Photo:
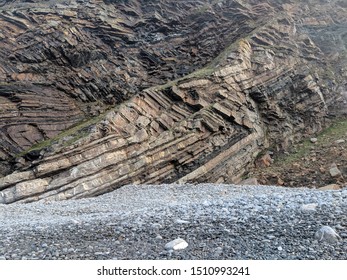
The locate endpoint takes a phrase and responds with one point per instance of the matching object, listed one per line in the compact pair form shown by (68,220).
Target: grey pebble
(327,234)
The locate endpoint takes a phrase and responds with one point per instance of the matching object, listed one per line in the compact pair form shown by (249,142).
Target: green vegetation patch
(337,130)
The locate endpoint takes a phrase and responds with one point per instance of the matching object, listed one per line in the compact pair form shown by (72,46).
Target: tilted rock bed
(217,222)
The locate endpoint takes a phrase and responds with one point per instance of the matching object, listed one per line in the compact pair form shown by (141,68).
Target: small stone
(327,234)
(339,227)
(249,182)
(75,221)
(177,244)
(219,249)
(206,203)
(143,121)
(280,182)
(218,252)
(156,226)
(331,187)
(340,141)
(270,237)
(264,161)
(309,207)
(280,248)
(179,221)
(334,171)
(313,140)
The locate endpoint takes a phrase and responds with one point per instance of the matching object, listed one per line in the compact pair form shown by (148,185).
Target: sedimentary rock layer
(167,91)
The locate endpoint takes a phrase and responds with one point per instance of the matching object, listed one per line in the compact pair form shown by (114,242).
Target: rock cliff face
(98,94)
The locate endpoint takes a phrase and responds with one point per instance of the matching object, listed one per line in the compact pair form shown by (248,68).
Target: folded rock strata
(98,94)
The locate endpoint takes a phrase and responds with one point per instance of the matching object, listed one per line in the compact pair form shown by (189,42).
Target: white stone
(341,141)
(76,221)
(327,234)
(177,244)
(314,140)
(206,203)
(179,221)
(309,207)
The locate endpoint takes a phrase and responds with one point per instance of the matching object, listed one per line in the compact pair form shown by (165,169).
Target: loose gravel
(217,222)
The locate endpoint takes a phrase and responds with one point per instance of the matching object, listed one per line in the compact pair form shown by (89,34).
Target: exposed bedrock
(96,53)
(98,94)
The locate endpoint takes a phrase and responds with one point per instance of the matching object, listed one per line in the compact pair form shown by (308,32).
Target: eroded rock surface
(167,91)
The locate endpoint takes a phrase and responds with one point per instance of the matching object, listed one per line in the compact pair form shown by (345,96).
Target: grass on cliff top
(337,130)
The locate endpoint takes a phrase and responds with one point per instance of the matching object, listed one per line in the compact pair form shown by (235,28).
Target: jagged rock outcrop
(118,92)
(91,54)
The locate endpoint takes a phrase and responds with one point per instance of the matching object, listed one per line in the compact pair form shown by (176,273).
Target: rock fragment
(179,221)
(309,207)
(250,182)
(177,244)
(280,182)
(327,234)
(264,161)
(322,170)
(331,187)
(334,171)
(314,140)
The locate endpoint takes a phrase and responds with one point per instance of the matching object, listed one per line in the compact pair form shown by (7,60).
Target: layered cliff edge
(95,95)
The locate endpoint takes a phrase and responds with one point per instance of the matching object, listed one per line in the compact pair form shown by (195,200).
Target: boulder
(327,234)
(177,244)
